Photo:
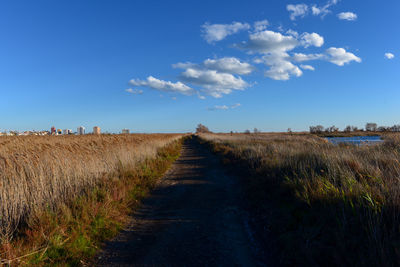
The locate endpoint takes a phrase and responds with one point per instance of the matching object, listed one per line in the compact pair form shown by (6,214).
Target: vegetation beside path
(319,204)
(71,233)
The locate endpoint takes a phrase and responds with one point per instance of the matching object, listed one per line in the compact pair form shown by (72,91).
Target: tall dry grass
(330,205)
(42,172)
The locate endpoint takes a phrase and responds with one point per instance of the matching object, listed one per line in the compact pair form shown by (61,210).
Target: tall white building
(96,130)
(81,130)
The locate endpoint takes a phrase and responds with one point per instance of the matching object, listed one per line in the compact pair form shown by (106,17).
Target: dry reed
(40,173)
(335,204)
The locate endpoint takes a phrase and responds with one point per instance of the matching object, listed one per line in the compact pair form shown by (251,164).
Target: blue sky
(165,66)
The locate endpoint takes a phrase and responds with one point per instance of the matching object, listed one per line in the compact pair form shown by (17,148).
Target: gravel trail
(193,218)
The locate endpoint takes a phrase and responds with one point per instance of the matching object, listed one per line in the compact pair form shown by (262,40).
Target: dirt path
(193,218)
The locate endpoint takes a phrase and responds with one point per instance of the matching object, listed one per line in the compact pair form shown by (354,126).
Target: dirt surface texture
(194,217)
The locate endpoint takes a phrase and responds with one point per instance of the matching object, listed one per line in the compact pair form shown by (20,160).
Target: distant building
(125,131)
(53,130)
(67,131)
(81,130)
(96,130)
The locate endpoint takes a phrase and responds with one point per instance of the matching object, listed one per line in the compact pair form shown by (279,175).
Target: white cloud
(280,66)
(292,33)
(228,65)
(236,105)
(221,76)
(276,53)
(307,67)
(134,91)
(184,65)
(347,16)
(224,107)
(311,39)
(315,10)
(216,76)
(299,10)
(275,47)
(164,86)
(213,82)
(389,55)
(217,32)
(300,57)
(323,10)
(340,56)
(269,42)
(260,25)
(272,42)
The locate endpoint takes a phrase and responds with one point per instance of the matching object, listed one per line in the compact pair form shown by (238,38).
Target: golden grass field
(326,205)
(41,173)
(317,204)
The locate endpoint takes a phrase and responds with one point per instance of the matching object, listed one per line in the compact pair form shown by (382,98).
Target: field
(48,183)
(318,204)
(311,203)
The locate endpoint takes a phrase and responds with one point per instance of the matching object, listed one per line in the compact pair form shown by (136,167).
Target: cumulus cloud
(164,86)
(300,57)
(134,91)
(280,66)
(216,77)
(229,65)
(340,56)
(322,11)
(299,10)
(389,55)
(307,67)
(213,82)
(224,107)
(347,16)
(311,39)
(216,32)
(276,50)
(269,42)
(292,33)
(260,25)
(274,46)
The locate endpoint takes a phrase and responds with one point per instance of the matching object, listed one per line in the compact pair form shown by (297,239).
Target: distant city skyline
(167,66)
